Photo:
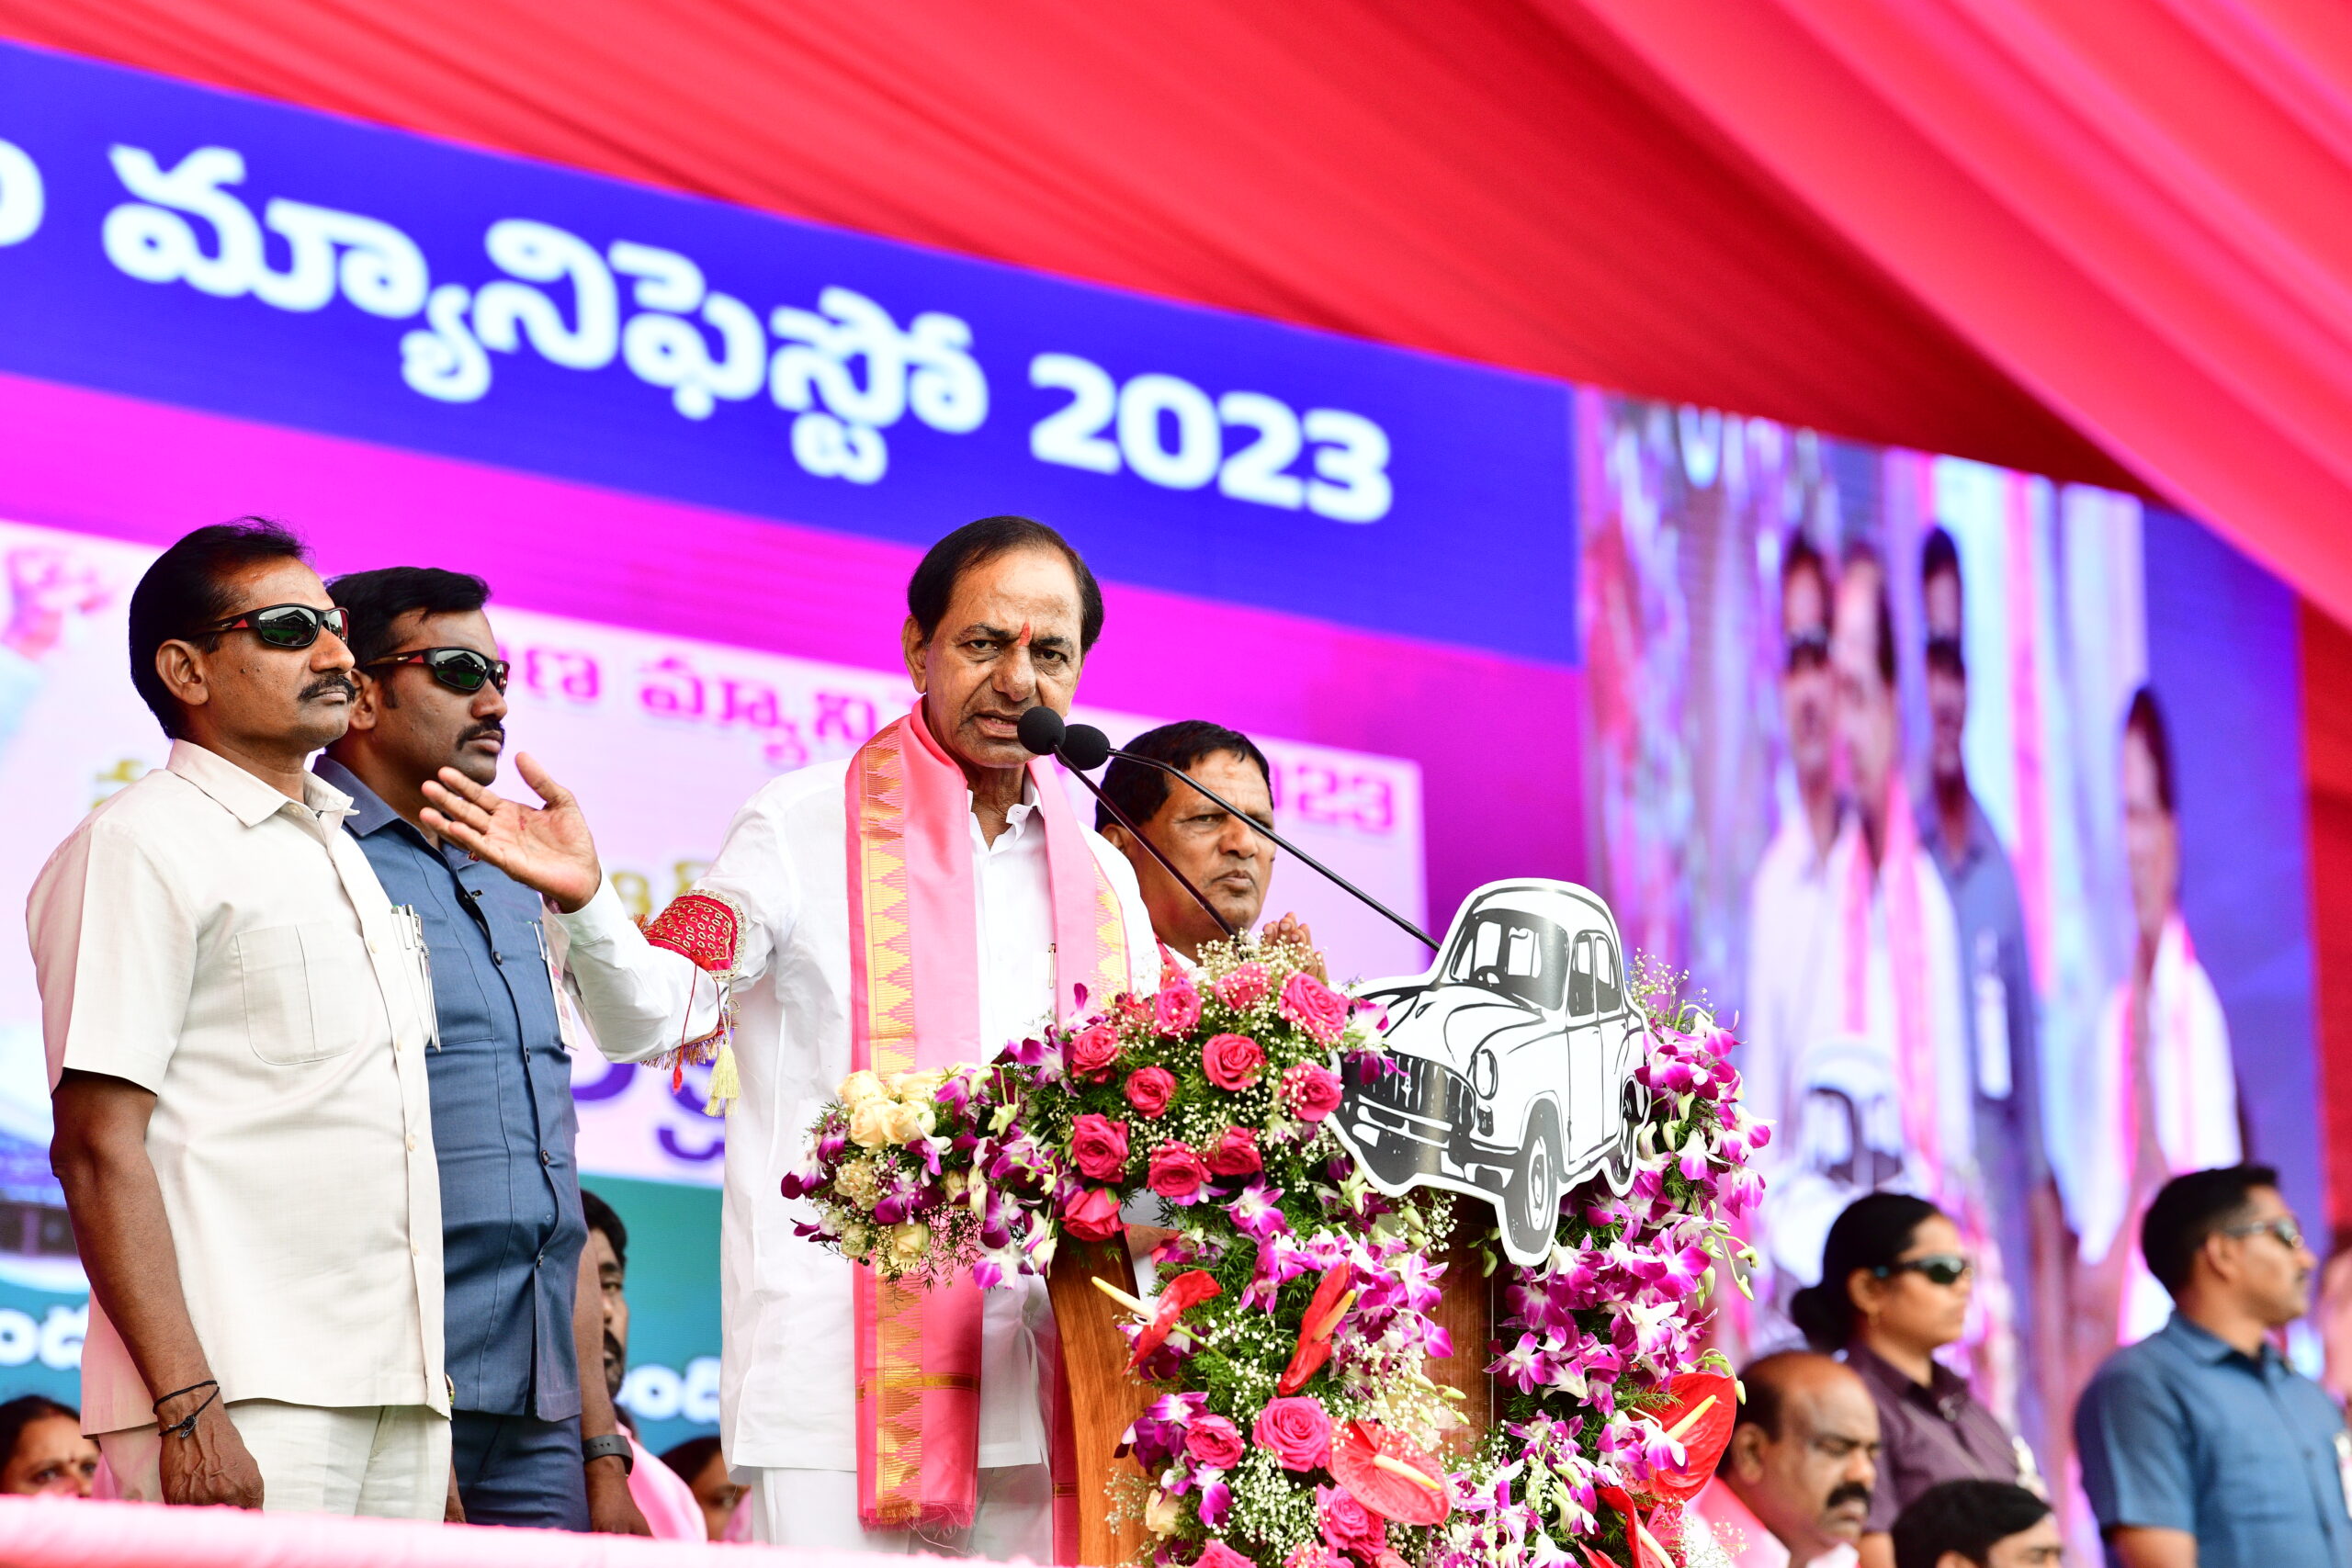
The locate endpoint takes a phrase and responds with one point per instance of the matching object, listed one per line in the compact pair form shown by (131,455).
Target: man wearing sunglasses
(431,696)
(236,1018)
(1997,1008)
(2201,1448)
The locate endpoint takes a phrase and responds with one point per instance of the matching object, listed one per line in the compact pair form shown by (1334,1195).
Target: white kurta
(1824,1020)
(1788,914)
(787,1364)
(2194,1084)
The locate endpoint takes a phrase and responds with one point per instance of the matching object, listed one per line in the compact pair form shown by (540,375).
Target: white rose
(870,1122)
(860,1086)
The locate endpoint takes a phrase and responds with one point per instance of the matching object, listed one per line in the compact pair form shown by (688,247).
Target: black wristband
(186,1427)
(158,1407)
(611,1445)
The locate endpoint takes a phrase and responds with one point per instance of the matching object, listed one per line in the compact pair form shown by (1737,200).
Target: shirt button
(545,1158)
(413,1252)
(375,946)
(411,1143)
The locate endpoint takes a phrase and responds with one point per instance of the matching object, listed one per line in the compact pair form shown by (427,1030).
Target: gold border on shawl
(898,1425)
(887,936)
(898,1381)
(1110,942)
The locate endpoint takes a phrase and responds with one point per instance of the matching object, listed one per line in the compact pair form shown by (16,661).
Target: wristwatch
(611,1445)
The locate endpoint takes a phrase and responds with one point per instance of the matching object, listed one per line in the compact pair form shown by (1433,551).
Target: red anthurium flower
(1177,1297)
(1698,1414)
(1323,1315)
(1649,1551)
(1389,1475)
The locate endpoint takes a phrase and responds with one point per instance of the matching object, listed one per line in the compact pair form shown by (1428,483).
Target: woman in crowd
(1893,1290)
(702,1466)
(42,1450)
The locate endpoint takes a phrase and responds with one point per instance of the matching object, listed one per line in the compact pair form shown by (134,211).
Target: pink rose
(1295,1430)
(1216,1554)
(1313,1007)
(1150,1088)
(1348,1525)
(1313,1091)
(1232,1061)
(1235,1153)
(1215,1441)
(1094,1215)
(1177,1173)
(1245,987)
(1177,1008)
(1092,1050)
(1100,1146)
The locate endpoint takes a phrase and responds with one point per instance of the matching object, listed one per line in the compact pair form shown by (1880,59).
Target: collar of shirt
(1978,839)
(368,812)
(1943,1394)
(2203,1345)
(1017,821)
(246,798)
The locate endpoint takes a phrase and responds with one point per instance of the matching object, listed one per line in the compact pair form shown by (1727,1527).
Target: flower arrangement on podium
(1289,1336)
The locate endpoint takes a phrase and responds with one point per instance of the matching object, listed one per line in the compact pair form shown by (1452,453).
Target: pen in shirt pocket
(411,926)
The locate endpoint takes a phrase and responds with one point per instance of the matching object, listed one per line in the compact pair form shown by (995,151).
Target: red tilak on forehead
(1022,641)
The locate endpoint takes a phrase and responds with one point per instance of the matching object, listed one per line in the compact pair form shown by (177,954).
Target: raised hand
(546,847)
(1292,929)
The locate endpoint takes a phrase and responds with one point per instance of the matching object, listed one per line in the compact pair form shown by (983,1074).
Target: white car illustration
(1518,1047)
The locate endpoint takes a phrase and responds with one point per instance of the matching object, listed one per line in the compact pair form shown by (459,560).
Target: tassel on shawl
(706,930)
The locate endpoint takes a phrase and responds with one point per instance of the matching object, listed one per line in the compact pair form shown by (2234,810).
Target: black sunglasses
(1937,1268)
(286,625)
(459,669)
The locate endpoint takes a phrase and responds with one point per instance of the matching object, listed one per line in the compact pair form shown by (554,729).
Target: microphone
(1083,747)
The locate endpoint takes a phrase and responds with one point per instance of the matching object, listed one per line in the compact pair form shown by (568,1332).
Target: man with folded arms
(1218,852)
(236,1018)
(943,871)
(433,695)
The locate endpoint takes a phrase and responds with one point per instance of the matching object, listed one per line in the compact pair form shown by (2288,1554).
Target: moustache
(613,1350)
(1852,1491)
(490,729)
(325,683)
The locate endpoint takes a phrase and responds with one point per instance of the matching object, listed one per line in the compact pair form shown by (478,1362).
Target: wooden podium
(1104,1399)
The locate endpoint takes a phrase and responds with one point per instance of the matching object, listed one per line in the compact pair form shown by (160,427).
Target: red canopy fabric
(2142,210)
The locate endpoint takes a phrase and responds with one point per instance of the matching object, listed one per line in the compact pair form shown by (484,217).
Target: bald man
(1795,1486)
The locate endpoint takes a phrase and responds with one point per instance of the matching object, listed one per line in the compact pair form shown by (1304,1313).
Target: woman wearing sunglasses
(1895,1288)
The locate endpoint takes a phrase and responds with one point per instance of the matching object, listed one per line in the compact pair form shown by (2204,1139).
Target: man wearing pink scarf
(917,906)
(2157,1094)
(1882,1018)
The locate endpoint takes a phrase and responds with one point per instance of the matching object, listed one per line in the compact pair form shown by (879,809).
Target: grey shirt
(1998,995)
(2182,1432)
(503,1124)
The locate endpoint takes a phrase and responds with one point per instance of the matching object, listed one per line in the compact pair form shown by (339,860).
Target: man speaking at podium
(920,905)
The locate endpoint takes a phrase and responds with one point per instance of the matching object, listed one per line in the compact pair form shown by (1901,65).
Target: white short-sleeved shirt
(786,1367)
(228,949)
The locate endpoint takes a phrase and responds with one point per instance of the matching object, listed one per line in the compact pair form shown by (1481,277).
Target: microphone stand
(1128,823)
(1264,831)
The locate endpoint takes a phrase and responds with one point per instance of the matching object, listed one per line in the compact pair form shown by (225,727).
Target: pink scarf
(915,1003)
(1915,1058)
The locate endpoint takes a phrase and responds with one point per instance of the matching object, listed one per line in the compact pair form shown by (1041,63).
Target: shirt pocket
(306,1000)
